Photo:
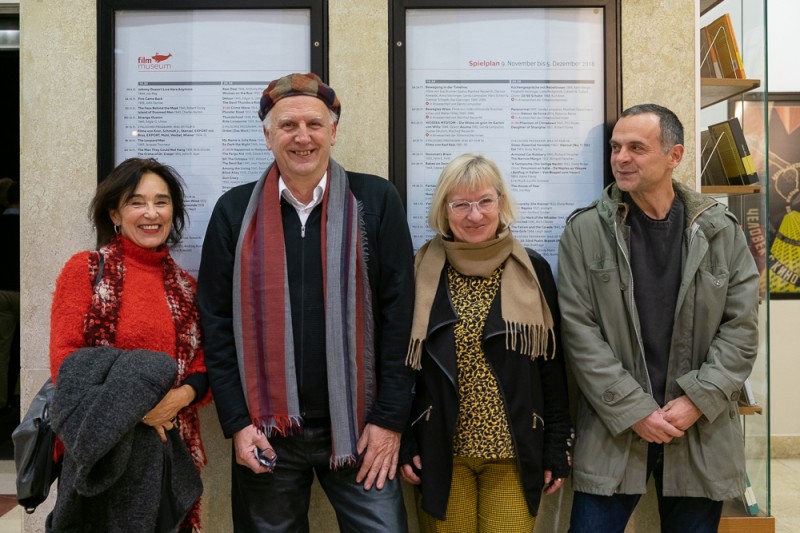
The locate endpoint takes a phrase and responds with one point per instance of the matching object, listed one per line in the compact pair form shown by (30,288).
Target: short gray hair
(671,127)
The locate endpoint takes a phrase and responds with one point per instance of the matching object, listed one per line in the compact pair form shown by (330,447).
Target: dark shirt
(304,273)
(656,247)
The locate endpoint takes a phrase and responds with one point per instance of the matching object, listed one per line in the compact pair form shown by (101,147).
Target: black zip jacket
(534,394)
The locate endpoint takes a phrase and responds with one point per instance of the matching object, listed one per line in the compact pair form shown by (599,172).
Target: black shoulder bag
(34,443)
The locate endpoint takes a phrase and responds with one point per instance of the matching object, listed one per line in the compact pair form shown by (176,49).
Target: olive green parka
(714,345)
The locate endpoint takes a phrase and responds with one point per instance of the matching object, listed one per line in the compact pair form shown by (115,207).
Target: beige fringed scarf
(524,308)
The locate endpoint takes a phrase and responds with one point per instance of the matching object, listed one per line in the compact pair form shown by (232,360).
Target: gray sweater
(112,473)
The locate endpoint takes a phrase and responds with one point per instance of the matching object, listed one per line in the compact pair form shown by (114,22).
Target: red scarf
(100,327)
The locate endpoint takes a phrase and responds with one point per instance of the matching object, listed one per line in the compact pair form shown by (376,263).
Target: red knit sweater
(145,321)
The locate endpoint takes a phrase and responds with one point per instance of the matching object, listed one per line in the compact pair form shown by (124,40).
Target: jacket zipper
(301,380)
(426,414)
(536,416)
(442,324)
(505,402)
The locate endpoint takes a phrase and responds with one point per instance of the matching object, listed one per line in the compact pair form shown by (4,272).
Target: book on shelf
(749,497)
(712,172)
(730,146)
(747,397)
(709,65)
(721,39)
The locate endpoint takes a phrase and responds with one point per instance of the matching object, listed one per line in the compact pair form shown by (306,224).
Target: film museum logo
(157,61)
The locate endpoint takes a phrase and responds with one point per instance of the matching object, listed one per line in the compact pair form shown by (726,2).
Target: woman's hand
(162,416)
(407,472)
(551,485)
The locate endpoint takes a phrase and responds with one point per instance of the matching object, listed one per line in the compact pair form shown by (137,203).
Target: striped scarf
(262,315)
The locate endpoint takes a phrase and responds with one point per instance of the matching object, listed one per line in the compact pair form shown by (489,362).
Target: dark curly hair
(120,184)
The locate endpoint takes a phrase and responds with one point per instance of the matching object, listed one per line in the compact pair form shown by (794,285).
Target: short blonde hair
(472,172)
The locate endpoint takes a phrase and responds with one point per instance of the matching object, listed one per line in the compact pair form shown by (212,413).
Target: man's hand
(379,447)
(407,472)
(681,413)
(653,428)
(245,441)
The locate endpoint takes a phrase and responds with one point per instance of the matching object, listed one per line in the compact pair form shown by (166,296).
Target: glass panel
(748,20)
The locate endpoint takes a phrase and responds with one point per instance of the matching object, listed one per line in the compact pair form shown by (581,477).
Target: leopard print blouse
(482,429)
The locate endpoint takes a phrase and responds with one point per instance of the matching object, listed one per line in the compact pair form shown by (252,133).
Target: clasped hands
(668,422)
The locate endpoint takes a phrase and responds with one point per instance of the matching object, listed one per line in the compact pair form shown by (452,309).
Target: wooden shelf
(706,5)
(751,410)
(736,520)
(715,90)
(730,190)
(747,524)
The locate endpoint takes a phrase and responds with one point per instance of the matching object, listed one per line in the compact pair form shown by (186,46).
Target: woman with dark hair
(490,426)
(131,296)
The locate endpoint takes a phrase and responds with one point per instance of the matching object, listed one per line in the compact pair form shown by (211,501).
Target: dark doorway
(9,96)
(9,231)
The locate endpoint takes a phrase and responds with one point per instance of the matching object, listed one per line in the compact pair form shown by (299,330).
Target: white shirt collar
(319,190)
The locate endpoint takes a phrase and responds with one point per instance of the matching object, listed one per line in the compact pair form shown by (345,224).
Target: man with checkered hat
(306,297)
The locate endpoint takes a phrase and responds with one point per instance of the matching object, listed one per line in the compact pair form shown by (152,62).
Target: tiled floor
(10,522)
(785,496)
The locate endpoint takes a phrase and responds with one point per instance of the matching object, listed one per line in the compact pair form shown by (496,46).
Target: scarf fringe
(285,426)
(342,461)
(414,355)
(533,339)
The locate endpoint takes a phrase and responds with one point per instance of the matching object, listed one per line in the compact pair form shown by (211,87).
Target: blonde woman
(490,425)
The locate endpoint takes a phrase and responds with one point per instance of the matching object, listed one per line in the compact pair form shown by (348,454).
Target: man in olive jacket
(658,294)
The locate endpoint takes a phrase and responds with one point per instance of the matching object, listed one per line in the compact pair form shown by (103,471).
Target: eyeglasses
(484,205)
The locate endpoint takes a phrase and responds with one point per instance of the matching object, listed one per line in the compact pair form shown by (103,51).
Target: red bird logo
(158,58)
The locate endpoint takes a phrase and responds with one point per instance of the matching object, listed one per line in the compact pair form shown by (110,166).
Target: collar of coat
(611,208)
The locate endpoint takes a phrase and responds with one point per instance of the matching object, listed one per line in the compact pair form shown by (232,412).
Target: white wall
(782,18)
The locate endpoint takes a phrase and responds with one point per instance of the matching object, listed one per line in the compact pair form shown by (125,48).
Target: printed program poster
(187,90)
(524,87)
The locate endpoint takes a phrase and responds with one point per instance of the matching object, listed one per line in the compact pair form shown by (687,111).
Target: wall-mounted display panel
(779,149)
(532,88)
(183,86)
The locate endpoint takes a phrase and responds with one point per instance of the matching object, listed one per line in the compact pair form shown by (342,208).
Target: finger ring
(144,417)
(173,419)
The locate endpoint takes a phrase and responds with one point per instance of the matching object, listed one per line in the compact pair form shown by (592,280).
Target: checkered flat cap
(298,85)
